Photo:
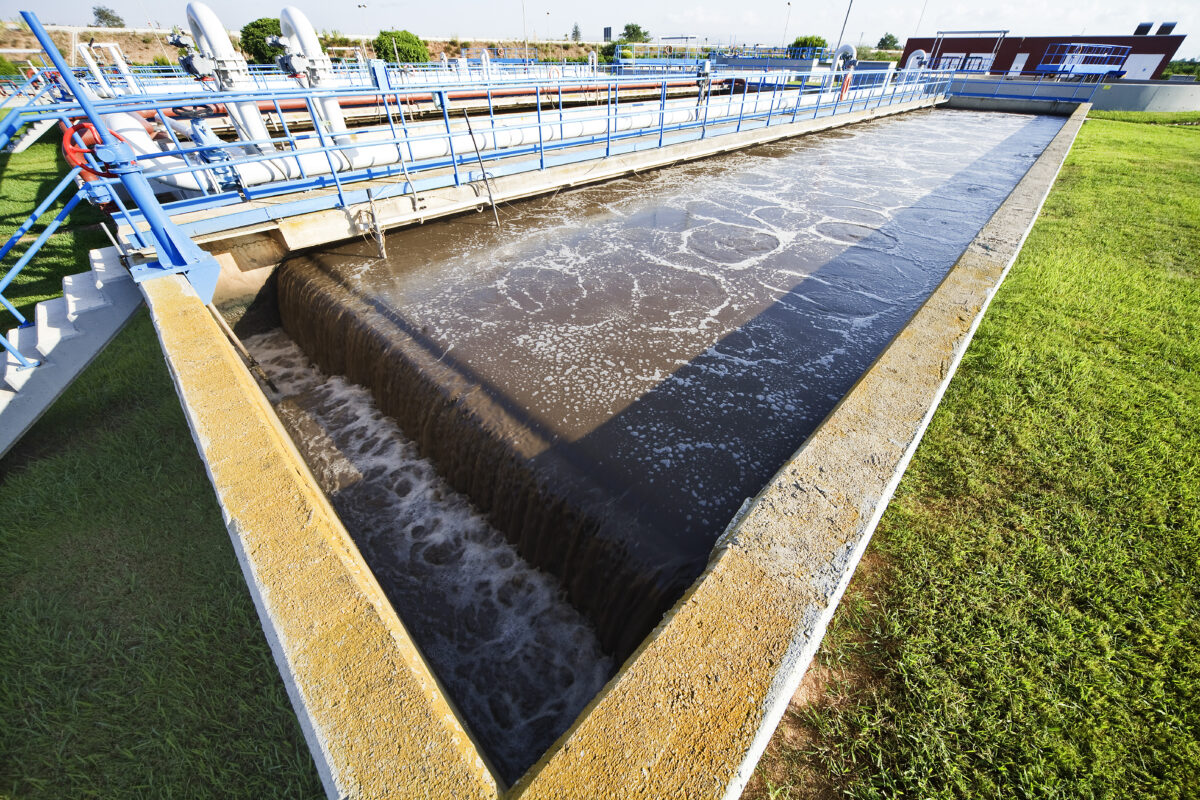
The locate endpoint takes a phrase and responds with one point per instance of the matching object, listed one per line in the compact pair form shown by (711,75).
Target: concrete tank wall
(1147,96)
(1119,96)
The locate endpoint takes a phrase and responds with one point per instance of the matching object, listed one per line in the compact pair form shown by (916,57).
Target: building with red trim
(1145,59)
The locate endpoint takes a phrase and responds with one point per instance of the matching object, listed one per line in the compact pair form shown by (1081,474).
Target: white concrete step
(65,348)
(53,325)
(107,266)
(31,134)
(13,375)
(82,294)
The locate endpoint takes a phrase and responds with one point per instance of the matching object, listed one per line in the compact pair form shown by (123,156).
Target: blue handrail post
(176,252)
(541,143)
(443,100)
(662,112)
(608,123)
(37,213)
(21,359)
(742,112)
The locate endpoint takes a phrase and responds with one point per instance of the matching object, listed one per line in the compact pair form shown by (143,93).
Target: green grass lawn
(131,659)
(1028,624)
(25,180)
(1150,117)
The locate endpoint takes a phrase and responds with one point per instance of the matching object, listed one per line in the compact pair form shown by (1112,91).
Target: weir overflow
(613,372)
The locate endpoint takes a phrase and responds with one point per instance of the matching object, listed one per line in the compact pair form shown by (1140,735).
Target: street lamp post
(524,31)
(786,21)
(849,6)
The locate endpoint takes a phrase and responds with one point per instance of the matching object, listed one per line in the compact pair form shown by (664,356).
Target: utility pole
(917,29)
(524,31)
(849,6)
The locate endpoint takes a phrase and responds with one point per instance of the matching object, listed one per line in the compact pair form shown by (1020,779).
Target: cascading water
(609,376)
(519,661)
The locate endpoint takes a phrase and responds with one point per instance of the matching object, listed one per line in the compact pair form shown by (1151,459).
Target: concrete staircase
(69,331)
(26,136)
(31,134)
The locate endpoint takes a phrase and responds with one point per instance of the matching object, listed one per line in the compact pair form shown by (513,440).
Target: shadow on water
(682,458)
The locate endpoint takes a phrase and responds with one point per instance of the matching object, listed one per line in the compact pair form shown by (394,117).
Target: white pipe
(118,60)
(846,50)
(916,59)
(85,52)
(132,128)
(232,73)
(515,131)
(298,32)
(207,31)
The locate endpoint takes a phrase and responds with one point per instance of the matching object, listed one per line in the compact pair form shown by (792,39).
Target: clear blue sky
(750,21)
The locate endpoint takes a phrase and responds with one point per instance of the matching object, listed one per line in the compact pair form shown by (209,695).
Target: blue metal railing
(1047,88)
(428,153)
(663,52)
(11,274)
(1071,58)
(218,170)
(569,117)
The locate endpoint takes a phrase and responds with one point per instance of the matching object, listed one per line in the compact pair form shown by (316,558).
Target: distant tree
(635,33)
(810,41)
(576,35)
(888,42)
(105,17)
(254,40)
(1182,67)
(401,45)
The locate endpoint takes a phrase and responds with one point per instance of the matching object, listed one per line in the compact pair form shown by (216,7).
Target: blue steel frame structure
(720,103)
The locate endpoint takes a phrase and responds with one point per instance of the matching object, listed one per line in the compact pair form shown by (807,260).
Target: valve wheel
(199,111)
(75,155)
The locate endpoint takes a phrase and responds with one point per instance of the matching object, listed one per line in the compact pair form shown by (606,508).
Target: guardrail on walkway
(147,157)
(1000,87)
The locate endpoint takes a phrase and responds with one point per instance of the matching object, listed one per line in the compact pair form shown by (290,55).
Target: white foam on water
(678,258)
(516,658)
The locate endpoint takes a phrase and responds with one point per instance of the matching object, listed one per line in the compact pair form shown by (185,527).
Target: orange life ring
(845,87)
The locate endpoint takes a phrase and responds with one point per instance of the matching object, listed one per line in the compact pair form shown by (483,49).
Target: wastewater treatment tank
(535,433)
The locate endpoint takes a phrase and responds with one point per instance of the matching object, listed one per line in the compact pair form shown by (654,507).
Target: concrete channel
(689,713)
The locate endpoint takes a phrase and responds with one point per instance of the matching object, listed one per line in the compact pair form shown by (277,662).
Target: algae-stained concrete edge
(375,718)
(691,712)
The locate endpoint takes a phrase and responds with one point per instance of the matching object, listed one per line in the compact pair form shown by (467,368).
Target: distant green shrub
(404,46)
(254,40)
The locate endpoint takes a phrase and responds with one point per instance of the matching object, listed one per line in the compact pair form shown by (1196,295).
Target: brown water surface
(610,375)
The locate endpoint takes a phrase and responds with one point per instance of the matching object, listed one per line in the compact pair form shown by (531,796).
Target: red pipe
(218,109)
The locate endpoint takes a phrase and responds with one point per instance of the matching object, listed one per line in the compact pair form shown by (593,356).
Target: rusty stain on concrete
(690,712)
